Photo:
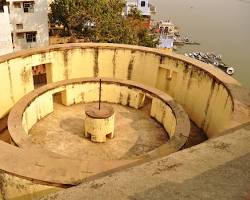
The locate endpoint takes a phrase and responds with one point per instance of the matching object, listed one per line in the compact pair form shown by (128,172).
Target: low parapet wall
(39,103)
(206,93)
(33,163)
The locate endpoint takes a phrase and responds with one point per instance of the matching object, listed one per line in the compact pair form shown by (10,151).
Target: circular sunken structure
(215,102)
(38,104)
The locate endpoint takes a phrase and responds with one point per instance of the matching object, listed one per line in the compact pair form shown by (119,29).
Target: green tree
(100,21)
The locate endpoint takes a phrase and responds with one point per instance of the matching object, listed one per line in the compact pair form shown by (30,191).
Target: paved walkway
(216,169)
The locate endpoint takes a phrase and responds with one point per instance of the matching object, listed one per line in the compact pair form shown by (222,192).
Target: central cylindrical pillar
(99,123)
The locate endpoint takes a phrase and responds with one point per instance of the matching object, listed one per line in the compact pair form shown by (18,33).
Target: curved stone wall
(200,88)
(39,103)
(34,163)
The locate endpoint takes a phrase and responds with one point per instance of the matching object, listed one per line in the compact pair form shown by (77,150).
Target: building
(29,23)
(166,42)
(143,6)
(167,27)
(146,9)
(5,33)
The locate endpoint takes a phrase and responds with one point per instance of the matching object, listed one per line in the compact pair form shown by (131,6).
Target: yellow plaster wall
(98,129)
(6,97)
(199,93)
(39,108)
(89,92)
(20,77)
(206,100)
(38,59)
(112,93)
(164,115)
(80,63)
(145,67)
(106,63)
(122,60)
(78,93)
(59,60)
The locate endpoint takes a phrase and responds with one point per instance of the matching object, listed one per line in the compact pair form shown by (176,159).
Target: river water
(221,26)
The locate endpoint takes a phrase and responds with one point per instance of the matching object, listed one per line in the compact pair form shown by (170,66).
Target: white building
(29,23)
(143,6)
(166,42)
(5,31)
(167,27)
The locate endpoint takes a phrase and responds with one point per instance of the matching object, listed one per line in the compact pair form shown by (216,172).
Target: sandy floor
(136,134)
(62,132)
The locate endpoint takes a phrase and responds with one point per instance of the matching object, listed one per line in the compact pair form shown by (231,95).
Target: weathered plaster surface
(200,88)
(216,169)
(48,167)
(214,101)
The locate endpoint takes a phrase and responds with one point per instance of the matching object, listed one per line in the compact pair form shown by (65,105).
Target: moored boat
(211,58)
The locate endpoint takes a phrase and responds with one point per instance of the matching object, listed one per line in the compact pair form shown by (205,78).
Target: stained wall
(202,92)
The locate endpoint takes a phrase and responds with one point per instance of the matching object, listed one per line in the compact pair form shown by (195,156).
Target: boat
(213,59)
(230,70)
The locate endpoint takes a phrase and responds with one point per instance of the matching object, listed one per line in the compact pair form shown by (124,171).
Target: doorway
(57,98)
(41,75)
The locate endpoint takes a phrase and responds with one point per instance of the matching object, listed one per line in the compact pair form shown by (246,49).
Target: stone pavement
(216,169)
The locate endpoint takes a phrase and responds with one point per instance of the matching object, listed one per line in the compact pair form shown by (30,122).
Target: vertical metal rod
(100,94)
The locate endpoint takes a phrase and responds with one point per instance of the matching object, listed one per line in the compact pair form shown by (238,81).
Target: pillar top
(104,112)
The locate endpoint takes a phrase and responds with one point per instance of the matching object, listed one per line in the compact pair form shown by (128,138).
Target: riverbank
(206,23)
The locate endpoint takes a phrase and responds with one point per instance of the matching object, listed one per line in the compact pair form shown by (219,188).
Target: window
(143,3)
(17,4)
(19,26)
(28,7)
(20,35)
(31,37)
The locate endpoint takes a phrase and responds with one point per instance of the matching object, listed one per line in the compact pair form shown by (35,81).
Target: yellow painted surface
(99,129)
(218,111)
(206,99)
(6,97)
(145,68)
(197,92)
(190,86)
(136,98)
(122,60)
(164,115)
(89,92)
(78,93)
(21,78)
(106,63)
(80,63)
(58,70)
(113,93)
(38,59)
(39,108)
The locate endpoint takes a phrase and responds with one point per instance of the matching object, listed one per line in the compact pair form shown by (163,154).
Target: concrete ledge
(216,169)
(30,162)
